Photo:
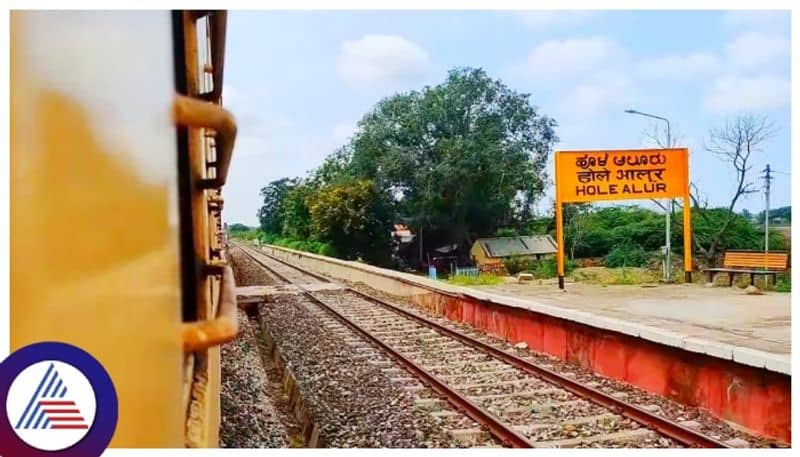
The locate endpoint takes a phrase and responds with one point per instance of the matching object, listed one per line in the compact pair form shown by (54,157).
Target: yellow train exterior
(119,153)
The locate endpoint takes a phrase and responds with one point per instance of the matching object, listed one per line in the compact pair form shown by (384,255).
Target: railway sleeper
(469,435)
(528,429)
(627,436)
(526,394)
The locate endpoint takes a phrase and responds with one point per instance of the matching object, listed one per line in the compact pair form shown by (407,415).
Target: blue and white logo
(51,405)
(60,401)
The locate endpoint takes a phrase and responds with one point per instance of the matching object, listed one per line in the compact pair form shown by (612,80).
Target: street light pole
(668,254)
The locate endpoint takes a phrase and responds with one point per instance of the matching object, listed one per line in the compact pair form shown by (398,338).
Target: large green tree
(295,215)
(270,215)
(355,217)
(455,156)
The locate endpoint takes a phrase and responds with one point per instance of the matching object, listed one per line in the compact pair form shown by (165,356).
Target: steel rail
(658,423)
(496,426)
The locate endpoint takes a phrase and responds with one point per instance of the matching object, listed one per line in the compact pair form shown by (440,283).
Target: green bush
(542,269)
(316,247)
(626,255)
(268,238)
(326,250)
(514,264)
(784,283)
(548,268)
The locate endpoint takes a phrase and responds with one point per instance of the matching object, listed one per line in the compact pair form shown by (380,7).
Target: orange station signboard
(601,175)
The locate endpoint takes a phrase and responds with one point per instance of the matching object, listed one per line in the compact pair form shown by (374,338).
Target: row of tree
(596,231)
(465,159)
(454,162)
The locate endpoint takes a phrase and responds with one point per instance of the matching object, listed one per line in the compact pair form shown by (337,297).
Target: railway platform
(714,348)
(719,321)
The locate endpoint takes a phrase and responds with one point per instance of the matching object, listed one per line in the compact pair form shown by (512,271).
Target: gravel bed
(663,406)
(249,418)
(351,399)
(294,275)
(247,272)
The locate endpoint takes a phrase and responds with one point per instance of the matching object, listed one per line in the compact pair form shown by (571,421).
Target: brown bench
(752,263)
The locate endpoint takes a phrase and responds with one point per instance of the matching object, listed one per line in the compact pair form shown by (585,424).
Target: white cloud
(609,92)
(679,67)
(737,94)
(762,20)
(754,50)
(379,60)
(550,18)
(572,57)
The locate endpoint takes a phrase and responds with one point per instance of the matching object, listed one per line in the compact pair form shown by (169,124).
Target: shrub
(316,247)
(548,268)
(514,264)
(784,283)
(268,238)
(544,268)
(326,250)
(626,255)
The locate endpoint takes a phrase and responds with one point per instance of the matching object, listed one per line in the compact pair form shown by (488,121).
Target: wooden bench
(752,263)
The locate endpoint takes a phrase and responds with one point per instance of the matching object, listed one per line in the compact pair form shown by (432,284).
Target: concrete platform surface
(692,313)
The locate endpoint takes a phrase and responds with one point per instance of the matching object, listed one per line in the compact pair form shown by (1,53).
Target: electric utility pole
(767,181)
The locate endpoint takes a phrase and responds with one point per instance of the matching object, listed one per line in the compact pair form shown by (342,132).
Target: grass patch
(481,280)
(613,276)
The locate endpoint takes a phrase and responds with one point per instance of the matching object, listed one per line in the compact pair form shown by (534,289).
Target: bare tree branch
(735,143)
(658,136)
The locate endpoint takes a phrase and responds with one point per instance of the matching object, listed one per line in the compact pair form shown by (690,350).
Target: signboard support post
(560,245)
(687,234)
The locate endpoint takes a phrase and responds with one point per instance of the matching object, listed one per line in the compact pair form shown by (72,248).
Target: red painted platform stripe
(57,403)
(62,411)
(65,419)
(71,426)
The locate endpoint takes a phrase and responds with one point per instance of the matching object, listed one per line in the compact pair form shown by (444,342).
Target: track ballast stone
(246,271)
(352,401)
(249,419)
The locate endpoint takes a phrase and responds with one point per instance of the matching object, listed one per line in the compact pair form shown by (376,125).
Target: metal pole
(667,247)
(668,266)
(768,178)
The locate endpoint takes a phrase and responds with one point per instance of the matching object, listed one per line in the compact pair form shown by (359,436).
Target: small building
(491,251)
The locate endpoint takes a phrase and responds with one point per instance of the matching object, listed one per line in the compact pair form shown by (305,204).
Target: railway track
(520,403)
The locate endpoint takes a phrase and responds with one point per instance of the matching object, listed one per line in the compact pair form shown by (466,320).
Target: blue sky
(298,82)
